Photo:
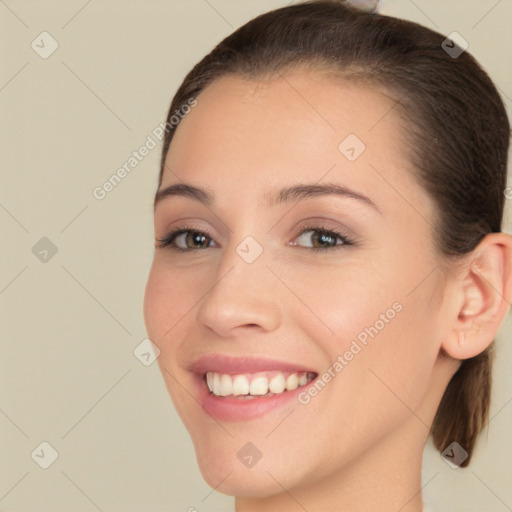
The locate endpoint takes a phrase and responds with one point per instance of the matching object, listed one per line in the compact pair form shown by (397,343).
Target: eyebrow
(285,195)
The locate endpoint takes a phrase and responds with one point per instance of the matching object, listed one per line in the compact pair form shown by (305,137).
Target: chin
(242,482)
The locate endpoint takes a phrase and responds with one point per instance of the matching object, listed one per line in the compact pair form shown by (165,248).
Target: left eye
(323,239)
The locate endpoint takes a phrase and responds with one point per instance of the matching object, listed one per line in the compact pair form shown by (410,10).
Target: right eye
(179,239)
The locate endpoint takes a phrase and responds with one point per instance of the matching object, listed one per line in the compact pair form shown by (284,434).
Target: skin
(358,444)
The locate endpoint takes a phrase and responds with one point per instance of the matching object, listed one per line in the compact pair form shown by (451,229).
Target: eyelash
(169,238)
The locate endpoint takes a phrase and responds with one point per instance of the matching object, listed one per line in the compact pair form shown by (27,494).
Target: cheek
(377,335)
(163,307)
(166,303)
(155,304)
(167,299)
(340,303)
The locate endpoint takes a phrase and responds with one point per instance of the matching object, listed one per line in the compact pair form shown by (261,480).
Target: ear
(484,289)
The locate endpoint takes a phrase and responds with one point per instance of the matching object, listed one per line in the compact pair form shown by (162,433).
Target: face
(331,289)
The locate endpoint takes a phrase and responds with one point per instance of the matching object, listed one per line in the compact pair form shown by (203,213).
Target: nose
(242,296)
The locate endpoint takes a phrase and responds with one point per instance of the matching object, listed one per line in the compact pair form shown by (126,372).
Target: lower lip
(242,409)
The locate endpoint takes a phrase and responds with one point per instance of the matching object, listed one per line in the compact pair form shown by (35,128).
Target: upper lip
(219,363)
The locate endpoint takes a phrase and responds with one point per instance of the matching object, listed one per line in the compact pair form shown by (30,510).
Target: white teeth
(278,384)
(292,382)
(226,385)
(257,384)
(216,383)
(240,385)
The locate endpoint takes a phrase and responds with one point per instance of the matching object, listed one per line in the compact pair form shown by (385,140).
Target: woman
(330,270)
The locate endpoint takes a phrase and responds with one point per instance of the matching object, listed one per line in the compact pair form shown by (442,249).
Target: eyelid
(186,225)
(343,235)
(184,228)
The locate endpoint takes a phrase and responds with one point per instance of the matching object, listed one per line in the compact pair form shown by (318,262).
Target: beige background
(69,325)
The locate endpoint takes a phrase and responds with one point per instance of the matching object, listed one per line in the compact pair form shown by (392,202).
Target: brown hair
(457,135)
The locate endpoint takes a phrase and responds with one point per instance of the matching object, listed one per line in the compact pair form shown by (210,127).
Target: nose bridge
(244,253)
(243,292)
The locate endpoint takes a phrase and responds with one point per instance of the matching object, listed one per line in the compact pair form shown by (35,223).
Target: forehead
(315,108)
(250,135)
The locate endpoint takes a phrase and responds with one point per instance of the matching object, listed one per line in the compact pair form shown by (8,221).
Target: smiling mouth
(259,384)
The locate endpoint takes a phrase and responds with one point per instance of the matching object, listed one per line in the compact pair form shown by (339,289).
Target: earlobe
(484,288)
